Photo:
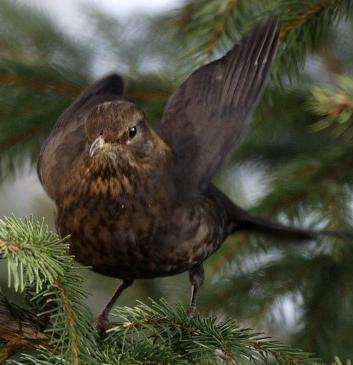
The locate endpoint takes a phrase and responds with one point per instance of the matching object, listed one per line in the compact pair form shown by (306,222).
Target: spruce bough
(56,325)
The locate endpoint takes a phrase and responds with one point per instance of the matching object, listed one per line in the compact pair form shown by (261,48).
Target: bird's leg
(196,276)
(102,321)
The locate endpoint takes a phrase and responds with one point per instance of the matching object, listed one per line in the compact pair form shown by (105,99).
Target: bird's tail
(245,221)
(239,220)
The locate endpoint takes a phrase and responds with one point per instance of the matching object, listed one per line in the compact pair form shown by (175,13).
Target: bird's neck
(96,186)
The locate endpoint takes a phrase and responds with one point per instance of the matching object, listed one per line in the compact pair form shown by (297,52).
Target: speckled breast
(128,227)
(114,237)
(139,238)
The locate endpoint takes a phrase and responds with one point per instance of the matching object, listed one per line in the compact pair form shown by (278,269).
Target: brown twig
(340,107)
(71,91)
(19,335)
(219,28)
(301,18)
(8,247)
(58,88)
(72,323)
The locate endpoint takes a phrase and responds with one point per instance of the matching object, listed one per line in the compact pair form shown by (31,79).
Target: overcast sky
(119,7)
(68,12)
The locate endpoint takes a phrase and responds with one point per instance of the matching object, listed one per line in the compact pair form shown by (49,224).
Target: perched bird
(139,202)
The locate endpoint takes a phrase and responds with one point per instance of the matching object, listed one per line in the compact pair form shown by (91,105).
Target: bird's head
(120,139)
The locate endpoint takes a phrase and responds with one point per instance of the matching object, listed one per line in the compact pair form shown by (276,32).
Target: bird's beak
(97,144)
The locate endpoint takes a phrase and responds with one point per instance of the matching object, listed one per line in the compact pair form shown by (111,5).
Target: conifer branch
(72,90)
(15,80)
(75,355)
(202,340)
(313,175)
(36,256)
(211,26)
(301,18)
(38,260)
(20,138)
(19,334)
(219,28)
(304,26)
(335,104)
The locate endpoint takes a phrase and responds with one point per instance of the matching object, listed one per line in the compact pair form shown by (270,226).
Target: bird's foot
(191,311)
(102,324)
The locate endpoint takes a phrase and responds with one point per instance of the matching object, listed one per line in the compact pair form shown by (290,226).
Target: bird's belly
(138,241)
(128,246)
(127,259)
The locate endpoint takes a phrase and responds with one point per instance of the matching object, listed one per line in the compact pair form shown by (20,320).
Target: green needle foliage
(335,104)
(214,25)
(300,141)
(202,340)
(38,265)
(37,259)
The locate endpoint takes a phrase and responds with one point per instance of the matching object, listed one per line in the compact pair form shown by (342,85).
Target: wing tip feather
(248,64)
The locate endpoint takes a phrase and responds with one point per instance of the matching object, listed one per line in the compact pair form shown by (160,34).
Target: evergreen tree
(298,155)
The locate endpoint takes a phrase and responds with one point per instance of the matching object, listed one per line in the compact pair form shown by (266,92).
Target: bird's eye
(132,132)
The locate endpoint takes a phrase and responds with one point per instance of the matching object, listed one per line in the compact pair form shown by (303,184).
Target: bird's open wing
(210,112)
(67,140)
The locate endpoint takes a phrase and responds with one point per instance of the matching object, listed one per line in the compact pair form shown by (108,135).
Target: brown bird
(138,202)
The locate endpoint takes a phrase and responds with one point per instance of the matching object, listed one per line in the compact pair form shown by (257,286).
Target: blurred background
(296,164)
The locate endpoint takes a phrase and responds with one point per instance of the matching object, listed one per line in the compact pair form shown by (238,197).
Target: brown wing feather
(67,140)
(210,112)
